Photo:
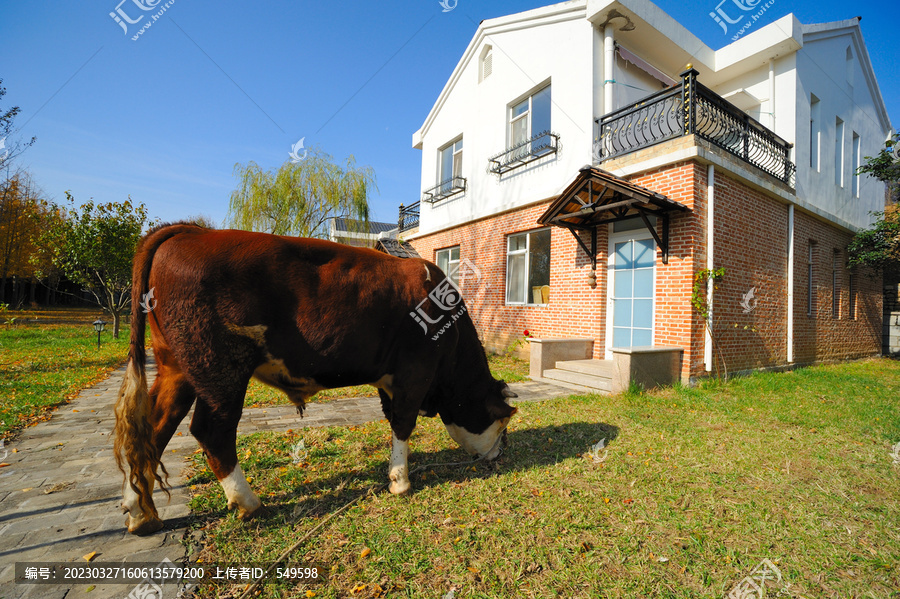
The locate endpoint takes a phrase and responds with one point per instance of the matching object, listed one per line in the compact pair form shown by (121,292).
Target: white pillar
(772,95)
(790,286)
(710,238)
(609,68)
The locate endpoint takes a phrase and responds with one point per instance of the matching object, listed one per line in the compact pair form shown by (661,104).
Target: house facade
(591,158)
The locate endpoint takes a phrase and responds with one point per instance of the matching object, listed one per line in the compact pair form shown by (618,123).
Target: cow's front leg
(221,454)
(399,468)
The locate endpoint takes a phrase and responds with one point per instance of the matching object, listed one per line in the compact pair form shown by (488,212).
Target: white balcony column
(790,286)
(609,68)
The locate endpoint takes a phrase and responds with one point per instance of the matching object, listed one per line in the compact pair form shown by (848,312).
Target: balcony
(538,146)
(444,190)
(691,108)
(409,217)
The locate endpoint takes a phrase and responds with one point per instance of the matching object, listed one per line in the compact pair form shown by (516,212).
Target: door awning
(597,197)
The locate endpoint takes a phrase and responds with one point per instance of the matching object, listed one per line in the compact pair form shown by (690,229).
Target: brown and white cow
(301,315)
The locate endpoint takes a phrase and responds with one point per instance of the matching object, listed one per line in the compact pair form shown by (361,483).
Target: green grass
(46,365)
(508,368)
(699,485)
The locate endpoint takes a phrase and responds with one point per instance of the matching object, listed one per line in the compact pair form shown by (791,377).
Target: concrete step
(599,368)
(597,383)
(565,385)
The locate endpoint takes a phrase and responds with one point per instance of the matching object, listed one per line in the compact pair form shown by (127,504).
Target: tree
(300,197)
(9,149)
(22,215)
(94,246)
(879,247)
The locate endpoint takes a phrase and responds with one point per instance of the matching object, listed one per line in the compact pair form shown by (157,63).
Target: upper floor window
(450,162)
(838,152)
(854,165)
(815,128)
(528,268)
(448,261)
(529,117)
(848,66)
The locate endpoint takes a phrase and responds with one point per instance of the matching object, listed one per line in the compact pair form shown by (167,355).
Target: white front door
(630,310)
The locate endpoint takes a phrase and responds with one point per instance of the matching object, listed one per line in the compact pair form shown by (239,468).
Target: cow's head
(479,425)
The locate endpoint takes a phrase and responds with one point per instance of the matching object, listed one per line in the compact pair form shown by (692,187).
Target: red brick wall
(821,337)
(750,243)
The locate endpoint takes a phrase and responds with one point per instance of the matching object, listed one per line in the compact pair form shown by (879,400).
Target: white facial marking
(399,469)
(480,444)
(239,493)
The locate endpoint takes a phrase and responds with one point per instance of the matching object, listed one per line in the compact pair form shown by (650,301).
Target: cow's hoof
(400,487)
(144,527)
(245,515)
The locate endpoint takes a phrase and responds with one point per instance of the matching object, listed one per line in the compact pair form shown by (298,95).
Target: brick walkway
(60,493)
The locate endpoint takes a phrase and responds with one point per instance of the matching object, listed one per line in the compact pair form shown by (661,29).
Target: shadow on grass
(526,450)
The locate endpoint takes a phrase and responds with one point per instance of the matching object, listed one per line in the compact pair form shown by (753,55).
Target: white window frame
(614,238)
(455,163)
(452,270)
(527,253)
(511,118)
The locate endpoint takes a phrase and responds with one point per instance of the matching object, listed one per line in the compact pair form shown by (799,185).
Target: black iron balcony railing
(692,108)
(444,190)
(535,148)
(409,217)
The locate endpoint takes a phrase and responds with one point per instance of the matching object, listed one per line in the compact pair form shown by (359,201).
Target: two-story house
(592,157)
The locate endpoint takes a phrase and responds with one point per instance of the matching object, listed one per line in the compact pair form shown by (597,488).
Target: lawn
(697,487)
(42,366)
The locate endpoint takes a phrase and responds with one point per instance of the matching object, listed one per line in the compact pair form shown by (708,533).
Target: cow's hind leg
(170,397)
(216,431)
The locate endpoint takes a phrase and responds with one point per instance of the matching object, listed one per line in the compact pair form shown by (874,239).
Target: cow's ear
(499,411)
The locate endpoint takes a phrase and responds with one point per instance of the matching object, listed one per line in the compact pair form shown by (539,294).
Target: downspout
(772,95)
(710,238)
(790,286)
(609,67)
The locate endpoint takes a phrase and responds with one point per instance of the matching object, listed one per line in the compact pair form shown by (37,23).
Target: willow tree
(300,197)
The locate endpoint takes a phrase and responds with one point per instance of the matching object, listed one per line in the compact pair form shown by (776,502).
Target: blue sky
(165,118)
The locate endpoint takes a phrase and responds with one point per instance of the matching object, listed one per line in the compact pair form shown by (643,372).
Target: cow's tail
(134,432)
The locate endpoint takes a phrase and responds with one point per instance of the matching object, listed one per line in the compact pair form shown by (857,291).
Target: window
(854,162)
(528,268)
(450,165)
(838,152)
(529,117)
(486,63)
(814,132)
(851,284)
(448,261)
(836,284)
(810,295)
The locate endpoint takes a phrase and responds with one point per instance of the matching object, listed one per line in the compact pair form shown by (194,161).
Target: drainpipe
(772,95)
(609,67)
(710,237)
(790,286)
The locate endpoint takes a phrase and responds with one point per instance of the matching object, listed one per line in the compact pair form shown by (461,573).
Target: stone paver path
(59,494)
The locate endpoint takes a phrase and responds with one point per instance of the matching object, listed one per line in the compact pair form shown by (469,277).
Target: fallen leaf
(3,465)
(90,556)
(365,552)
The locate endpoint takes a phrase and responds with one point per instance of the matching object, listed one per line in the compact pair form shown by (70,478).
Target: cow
(301,315)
